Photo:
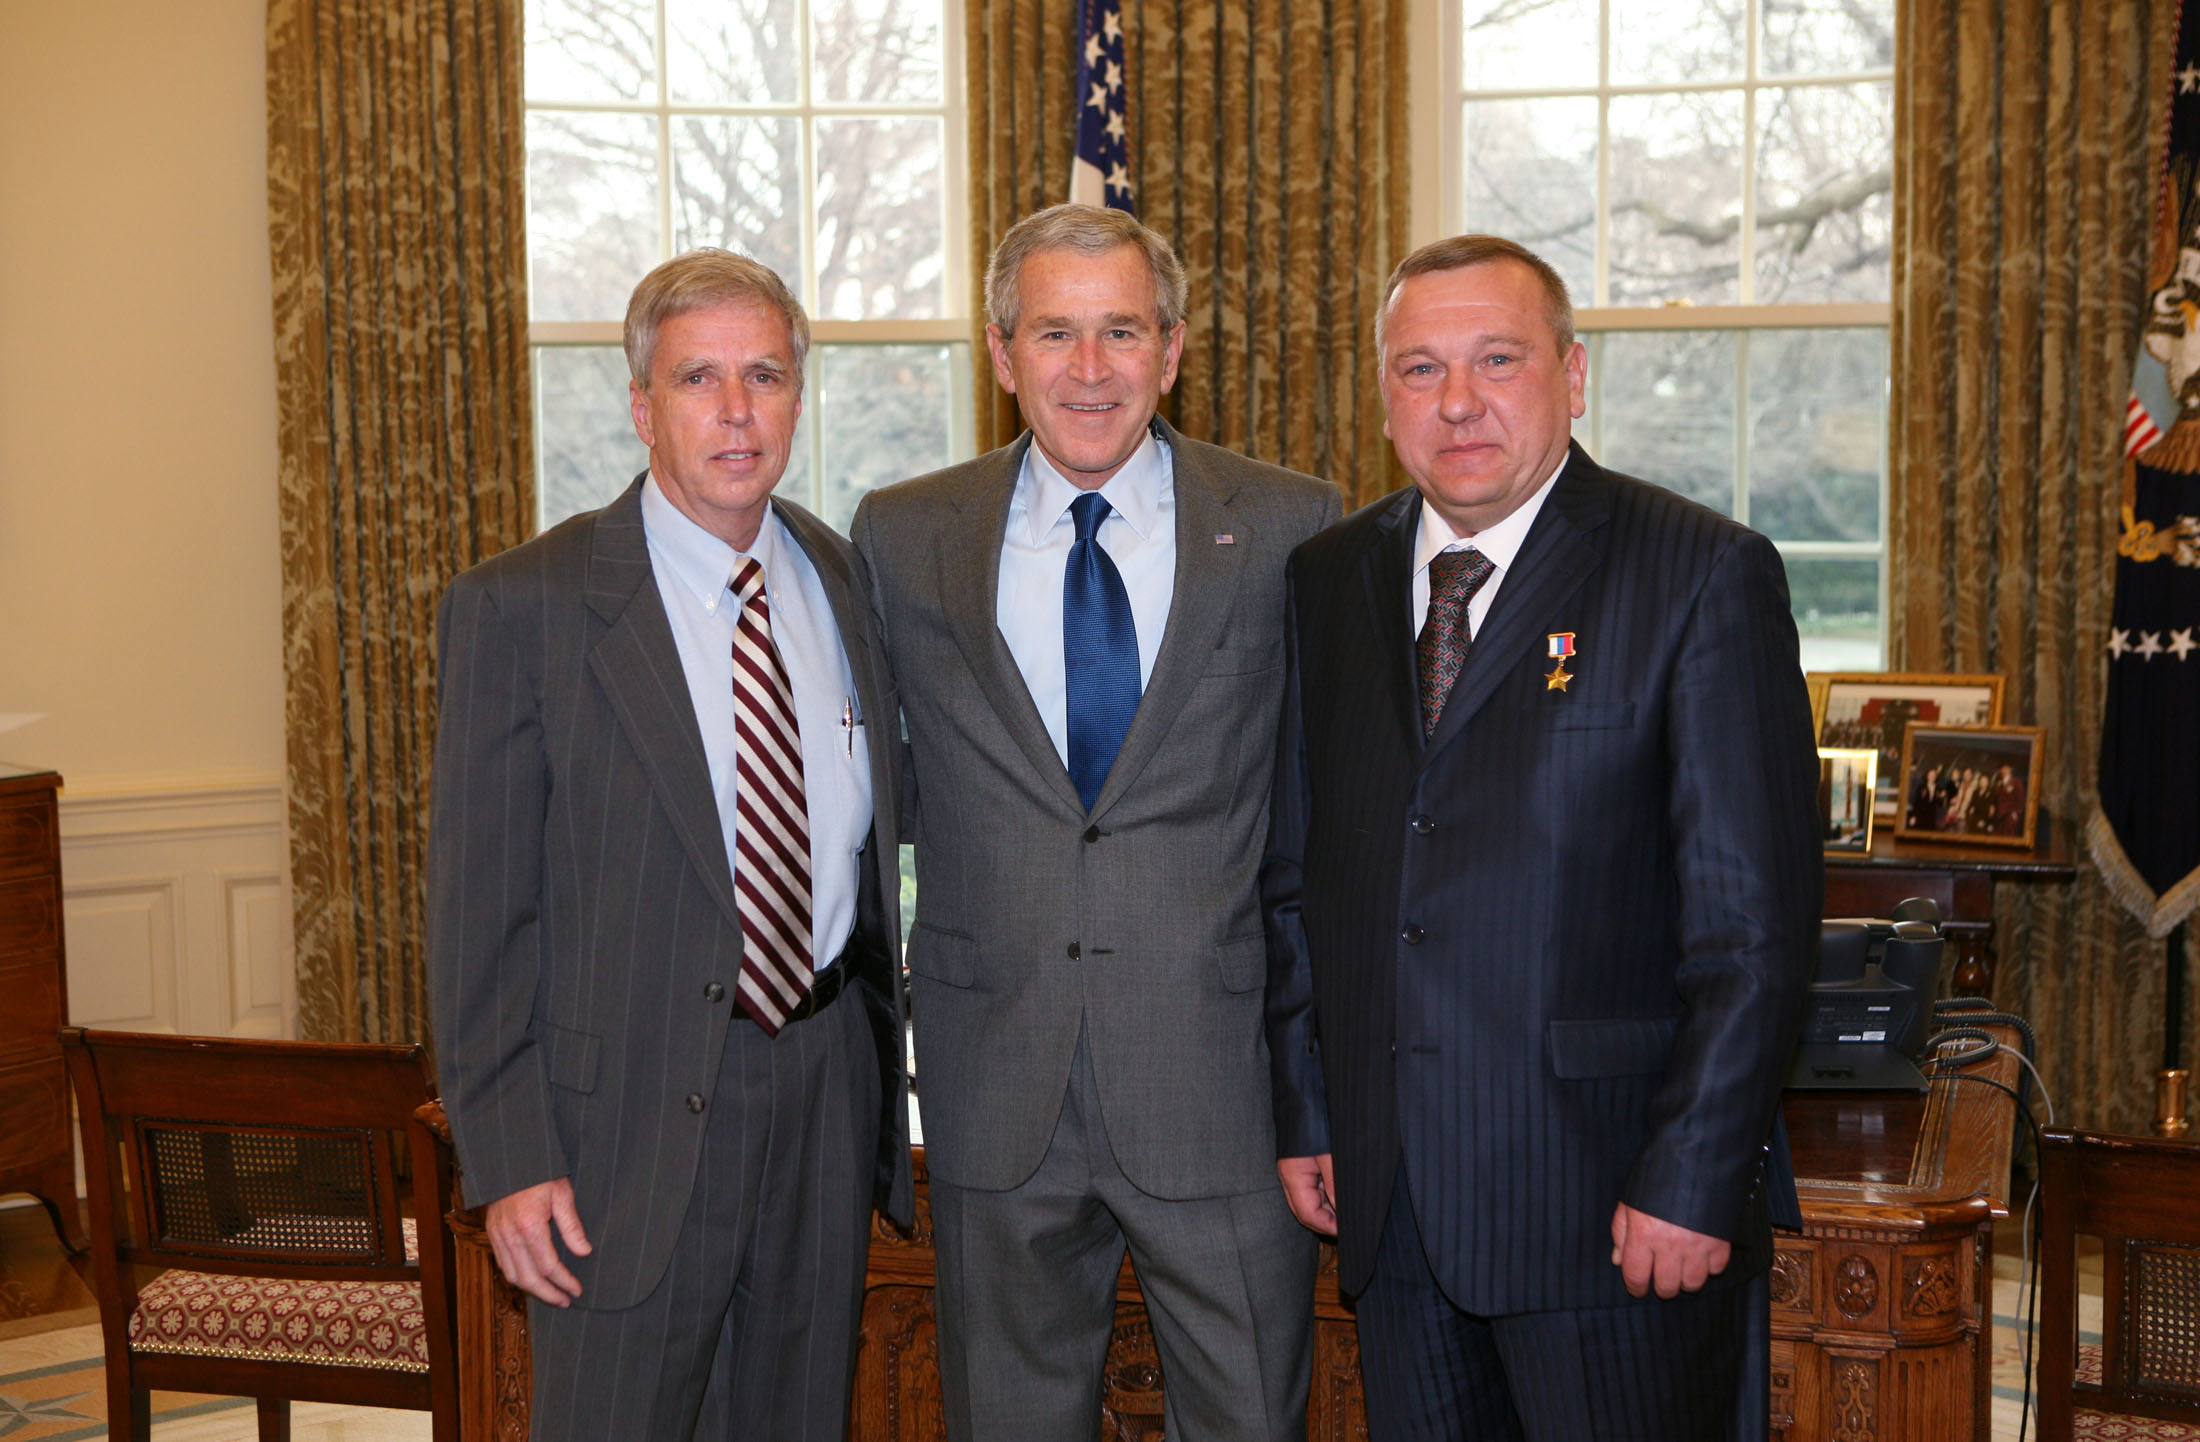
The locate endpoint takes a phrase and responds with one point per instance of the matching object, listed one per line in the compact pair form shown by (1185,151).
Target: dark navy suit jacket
(1557,956)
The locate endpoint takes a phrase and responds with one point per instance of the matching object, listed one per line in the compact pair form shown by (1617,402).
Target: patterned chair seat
(282,1319)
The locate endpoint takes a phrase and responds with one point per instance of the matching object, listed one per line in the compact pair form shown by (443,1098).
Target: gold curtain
(2026,132)
(396,231)
(1268,143)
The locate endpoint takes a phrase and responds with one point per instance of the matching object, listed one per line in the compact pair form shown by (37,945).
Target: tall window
(1713,179)
(822,137)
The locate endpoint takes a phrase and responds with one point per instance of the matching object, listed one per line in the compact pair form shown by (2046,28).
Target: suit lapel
(638,665)
(1386,580)
(970,588)
(1564,545)
(1199,604)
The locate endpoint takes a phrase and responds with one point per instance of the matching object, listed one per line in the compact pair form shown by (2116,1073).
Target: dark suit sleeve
(864,534)
(1294,1050)
(1751,885)
(484,900)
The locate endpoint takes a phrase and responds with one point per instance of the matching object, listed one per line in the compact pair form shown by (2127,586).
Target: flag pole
(2169,1083)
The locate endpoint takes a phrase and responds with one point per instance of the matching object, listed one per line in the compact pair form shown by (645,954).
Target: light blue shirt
(1139,535)
(694,571)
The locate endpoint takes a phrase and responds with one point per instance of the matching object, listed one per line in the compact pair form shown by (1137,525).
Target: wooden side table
(37,1145)
(1960,877)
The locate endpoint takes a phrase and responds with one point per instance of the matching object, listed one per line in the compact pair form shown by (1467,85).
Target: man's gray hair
(1461,251)
(1088,230)
(696,280)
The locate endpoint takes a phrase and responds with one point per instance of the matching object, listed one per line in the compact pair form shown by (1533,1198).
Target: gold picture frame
(1847,785)
(1850,709)
(1979,785)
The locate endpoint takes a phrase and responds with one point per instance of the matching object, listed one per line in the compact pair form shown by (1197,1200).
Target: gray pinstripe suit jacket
(580,898)
(1139,922)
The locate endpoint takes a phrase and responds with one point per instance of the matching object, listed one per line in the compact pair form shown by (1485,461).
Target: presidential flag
(2146,835)
(1101,174)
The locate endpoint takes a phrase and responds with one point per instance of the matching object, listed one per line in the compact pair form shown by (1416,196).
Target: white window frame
(953,328)
(1439,89)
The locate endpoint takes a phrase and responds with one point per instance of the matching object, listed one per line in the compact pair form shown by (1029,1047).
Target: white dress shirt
(1139,535)
(1501,543)
(694,571)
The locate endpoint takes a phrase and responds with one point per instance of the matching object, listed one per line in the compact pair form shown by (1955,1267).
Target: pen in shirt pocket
(849,721)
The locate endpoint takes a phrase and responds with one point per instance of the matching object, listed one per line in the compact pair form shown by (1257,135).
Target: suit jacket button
(695,1101)
(1421,825)
(1092,834)
(1074,951)
(716,991)
(1412,934)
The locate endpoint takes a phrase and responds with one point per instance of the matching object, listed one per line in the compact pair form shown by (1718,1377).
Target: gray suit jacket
(579,895)
(1141,921)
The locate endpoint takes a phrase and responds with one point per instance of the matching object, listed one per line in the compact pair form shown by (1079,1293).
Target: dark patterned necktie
(771,863)
(1453,578)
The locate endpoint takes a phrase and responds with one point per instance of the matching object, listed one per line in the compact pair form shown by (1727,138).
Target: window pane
(591,211)
(737,183)
(1676,198)
(1508,45)
(1817,433)
(885,415)
(1532,175)
(591,50)
(1811,37)
(881,233)
(585,447)
(1659,41)
(732,52)
(877,51)
(1666,410)
(1825,194)
(1836,605)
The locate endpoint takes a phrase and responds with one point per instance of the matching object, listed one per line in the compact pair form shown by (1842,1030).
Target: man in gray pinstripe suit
(663,935)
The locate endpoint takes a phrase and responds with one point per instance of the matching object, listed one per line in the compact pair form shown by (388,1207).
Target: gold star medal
(1560,645)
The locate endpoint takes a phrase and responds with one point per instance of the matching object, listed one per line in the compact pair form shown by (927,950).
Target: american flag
(1101,173)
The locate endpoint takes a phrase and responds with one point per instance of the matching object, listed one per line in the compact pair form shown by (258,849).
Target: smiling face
(1477,396)
(718,414)
(1089,361)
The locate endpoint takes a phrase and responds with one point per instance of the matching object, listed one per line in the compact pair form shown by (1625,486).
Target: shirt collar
(698,560)
(1500,542)
(1134,492)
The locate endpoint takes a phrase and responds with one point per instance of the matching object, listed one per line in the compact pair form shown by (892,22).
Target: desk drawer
(28,844)
(30,917)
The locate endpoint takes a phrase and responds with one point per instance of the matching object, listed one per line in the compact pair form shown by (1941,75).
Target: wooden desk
(1959,876)
(1880,1308)
(37,1144)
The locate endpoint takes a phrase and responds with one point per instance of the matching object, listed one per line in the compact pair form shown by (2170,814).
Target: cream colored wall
(139,601)
(139,607)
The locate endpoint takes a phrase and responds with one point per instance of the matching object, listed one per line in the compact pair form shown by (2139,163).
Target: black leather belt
(824,990)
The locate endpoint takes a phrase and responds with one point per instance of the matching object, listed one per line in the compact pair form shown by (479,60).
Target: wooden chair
(262,1176)
(2141,1197)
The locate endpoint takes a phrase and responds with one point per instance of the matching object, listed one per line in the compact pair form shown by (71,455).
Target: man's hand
(519,1230)
(1311,1189)
(1650,1252)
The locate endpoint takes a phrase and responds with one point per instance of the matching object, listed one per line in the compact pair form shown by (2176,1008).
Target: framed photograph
(1974,784)
(1850,710)
(1846,781)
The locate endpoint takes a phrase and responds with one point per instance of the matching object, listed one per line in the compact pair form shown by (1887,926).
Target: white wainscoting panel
(176,908)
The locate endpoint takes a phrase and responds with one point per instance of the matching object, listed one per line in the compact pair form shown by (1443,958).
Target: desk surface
(1936,1158)
(2048,861)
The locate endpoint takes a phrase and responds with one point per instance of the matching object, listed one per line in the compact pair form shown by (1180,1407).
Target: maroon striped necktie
(771,865)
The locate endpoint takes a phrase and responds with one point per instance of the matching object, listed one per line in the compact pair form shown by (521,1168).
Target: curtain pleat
(2026,137)
(397,237)
(1268,143)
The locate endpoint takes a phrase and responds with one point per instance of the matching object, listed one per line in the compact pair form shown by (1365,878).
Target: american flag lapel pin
(1559,645)
(1226,539)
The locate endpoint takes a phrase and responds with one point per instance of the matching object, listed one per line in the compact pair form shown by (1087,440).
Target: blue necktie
(1099,651)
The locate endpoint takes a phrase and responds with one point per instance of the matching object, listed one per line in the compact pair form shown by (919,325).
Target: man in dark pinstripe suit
(662,909)
(1543,894)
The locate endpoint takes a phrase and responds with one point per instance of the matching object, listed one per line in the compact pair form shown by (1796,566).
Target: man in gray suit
(1087,631)
(662,937)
